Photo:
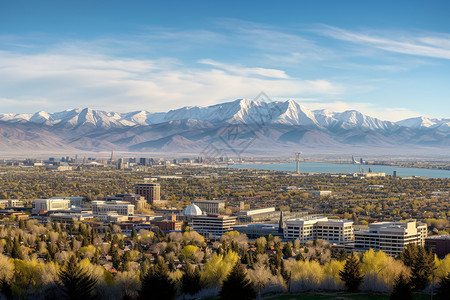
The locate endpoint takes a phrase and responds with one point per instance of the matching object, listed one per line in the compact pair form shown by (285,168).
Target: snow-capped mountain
(277,125)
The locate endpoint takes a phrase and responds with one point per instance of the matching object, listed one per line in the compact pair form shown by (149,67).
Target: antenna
(297,159)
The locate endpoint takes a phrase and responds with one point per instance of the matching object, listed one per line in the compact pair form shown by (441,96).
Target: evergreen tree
(443,291)
(342,255)
(6,289)
(191,280)
(299,257)
(16,252)
(402,289)
(157,284)
(116,260)
(422,269)
(351,275)
(409,254)
(237,285)
(76,283)
(287,250)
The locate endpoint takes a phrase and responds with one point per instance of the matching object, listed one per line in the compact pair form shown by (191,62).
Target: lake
(314,167)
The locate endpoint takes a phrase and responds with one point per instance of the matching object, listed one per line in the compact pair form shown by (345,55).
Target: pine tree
(443,291)
(422,269)
(16,252)
(237,285)
(287,250)
(191,280)
(75,282)
(299,257)
(402,288)
(157,284)
(351,275)
(342,255)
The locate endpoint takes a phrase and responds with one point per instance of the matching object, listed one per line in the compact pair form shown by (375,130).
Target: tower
(297,160)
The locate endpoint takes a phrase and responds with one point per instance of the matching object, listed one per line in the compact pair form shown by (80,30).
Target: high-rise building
(150,191)
(391,237)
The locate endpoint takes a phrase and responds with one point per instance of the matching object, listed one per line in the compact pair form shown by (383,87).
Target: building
(70,218)
(318,194)
(168,225)
(256,230)
(150,191)
(438,244)
(314,228)
(120,207)
(10,203)
(215,225)
(391,237)
(138,201)
(257,215)
(210,207)
(49,205)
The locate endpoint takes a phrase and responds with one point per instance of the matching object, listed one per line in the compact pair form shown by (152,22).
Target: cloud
(383,113)
(426,44)
(56,81)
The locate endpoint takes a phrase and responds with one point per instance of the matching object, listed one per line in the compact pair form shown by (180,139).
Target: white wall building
(215,225)
(49,204)
(120,207)
(313,228)
(210,207)
(391,237)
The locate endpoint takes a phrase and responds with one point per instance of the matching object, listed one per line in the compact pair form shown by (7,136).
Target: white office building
(120,207)
(49,205)
(391,237)
(215,225)
(210,206)
(314,228)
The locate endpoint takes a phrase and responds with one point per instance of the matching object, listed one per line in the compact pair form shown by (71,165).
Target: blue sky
(388,59)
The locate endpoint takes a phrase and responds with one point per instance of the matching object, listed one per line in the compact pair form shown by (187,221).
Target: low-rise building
(438,244)
(318,194)
(49,205)
(391,237)
(215,225)
(210,206)
(120,207)
(315,227)
(256,230)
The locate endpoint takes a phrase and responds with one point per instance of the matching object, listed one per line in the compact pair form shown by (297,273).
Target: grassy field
(338,296)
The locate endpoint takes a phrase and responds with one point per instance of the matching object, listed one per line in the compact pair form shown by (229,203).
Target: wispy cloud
(72,79)
(421,44)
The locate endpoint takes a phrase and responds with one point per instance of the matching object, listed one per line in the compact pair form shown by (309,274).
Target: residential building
(215,225)
(315,227)
(120,207)
(438,244)
(49,205)
(151,191)
(210,206)
(391,237)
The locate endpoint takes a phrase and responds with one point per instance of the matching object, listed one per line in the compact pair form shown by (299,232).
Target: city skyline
(387,60)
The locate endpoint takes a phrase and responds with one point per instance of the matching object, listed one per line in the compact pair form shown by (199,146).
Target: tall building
(391,237)
(150,191)
(314,228)
(210,206)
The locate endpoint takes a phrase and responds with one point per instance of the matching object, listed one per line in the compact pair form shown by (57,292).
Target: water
(311,167)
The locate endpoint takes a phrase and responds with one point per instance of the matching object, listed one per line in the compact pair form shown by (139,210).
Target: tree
(237,285)
(16,252)
(76,283)
(351,275)
(402,288)
(157,284)
(422,269)
(444,288)
(287,250)
(191,280)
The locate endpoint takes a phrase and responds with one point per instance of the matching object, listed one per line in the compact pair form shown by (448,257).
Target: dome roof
(192,210)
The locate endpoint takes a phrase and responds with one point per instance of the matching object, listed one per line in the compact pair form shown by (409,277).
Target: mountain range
(234,127)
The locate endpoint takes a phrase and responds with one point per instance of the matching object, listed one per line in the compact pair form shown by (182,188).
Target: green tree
(75,282)
(351,275)
(191,280)
(16,252)
(157,284)
(422,269)
(237,285)
(443,291)
(287,250)
(402,288)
